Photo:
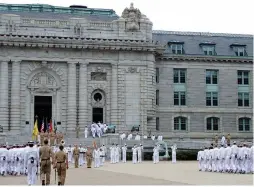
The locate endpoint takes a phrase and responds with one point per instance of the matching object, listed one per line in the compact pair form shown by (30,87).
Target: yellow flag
(35,131)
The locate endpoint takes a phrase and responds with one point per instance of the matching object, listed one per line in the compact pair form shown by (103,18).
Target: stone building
(75,65)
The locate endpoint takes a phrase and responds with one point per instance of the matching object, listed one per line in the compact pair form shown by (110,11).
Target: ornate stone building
(76,65)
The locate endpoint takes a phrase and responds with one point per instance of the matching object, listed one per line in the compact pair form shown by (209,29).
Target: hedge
(180,155)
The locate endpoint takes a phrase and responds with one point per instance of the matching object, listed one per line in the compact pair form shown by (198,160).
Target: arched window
(180,123)
(212,124)
(244,124)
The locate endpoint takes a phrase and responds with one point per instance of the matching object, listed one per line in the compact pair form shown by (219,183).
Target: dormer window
(239,50)
(208,48)
(176,47)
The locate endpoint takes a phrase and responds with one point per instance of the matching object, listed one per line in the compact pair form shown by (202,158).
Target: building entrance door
(43,110)
(98,115)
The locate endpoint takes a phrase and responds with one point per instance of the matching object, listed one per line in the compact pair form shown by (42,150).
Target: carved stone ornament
(43,82)
(132,70)
(78,29)
(98,76)
(132,17)
(98,103)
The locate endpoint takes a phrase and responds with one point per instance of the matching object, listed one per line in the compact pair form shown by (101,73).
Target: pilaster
(15,96)
(4,95)
(83,113)
(114,95)
(72,103)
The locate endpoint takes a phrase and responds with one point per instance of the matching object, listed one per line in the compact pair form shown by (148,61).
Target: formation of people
(226,158)
(130,136)
(97,129)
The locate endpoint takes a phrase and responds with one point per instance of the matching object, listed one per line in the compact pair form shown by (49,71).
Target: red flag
(50,126)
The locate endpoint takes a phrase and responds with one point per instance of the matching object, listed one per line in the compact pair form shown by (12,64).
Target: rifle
(55,175)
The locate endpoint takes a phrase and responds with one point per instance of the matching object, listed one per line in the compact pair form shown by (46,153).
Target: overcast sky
(221,16)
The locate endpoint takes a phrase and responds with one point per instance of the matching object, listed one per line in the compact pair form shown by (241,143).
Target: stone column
(114,109)
(15,96)
(4,95)
(83,116)
(72,103)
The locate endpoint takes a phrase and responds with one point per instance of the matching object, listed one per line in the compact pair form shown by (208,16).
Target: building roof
(57,12)
(193,41)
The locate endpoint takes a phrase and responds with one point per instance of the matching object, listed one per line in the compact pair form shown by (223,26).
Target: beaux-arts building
(76,65)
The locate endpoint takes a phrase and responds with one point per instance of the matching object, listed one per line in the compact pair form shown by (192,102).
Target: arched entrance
(43,91)
(98,106)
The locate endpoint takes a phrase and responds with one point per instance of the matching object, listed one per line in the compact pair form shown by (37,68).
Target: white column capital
(72,62)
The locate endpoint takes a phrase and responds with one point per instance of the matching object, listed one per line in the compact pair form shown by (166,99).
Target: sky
(219,16)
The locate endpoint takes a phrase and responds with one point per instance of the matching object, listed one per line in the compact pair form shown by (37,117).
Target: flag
(55,126)
(35,130)
(42,126)
(50,126)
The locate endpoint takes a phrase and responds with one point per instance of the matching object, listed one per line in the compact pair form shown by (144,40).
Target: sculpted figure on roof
(132,17)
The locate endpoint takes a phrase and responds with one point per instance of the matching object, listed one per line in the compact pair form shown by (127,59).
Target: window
(177,49)
(240,51)
(243,77)
(212,124)
(179,76)
(157,75)
(244,124)
(211,76)
(157,97)
(211,99)
(179,99)
(209,50)
(180,124)
(157,123)
(243,99)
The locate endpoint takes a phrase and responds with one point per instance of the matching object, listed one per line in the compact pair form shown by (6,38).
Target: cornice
(197,58)
(31,41)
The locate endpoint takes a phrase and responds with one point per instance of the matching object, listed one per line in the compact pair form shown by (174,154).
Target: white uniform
(160,138)
(140,148)
(4,154)
(112,154)
(137,137)
(86,132)
(117,154)
(222,159)
(93,130)
(134,155)
(199,159)
(129,137)
(104,151)
(31,163)
(173,154)
(228,151)
(81,156)
(234,156)
(69,151)
(124,150)
(156,154)
(96,155)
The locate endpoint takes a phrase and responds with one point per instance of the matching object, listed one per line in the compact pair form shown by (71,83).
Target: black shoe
(59,183)
(43,182)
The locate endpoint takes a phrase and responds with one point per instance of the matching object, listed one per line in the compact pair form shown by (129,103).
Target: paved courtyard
(164,173)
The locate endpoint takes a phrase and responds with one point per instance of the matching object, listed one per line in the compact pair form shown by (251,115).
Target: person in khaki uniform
(76,155)
(89,157)
(42,137)
(61,164)
(45,153)
(228,139)
(52,138)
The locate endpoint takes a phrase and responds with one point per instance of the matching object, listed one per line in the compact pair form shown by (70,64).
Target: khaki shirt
(75,151)
(45,152)
(60,157)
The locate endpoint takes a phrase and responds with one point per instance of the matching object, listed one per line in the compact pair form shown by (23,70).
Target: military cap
(30,143)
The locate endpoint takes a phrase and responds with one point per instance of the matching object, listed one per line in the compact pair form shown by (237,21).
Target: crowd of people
(226,158)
